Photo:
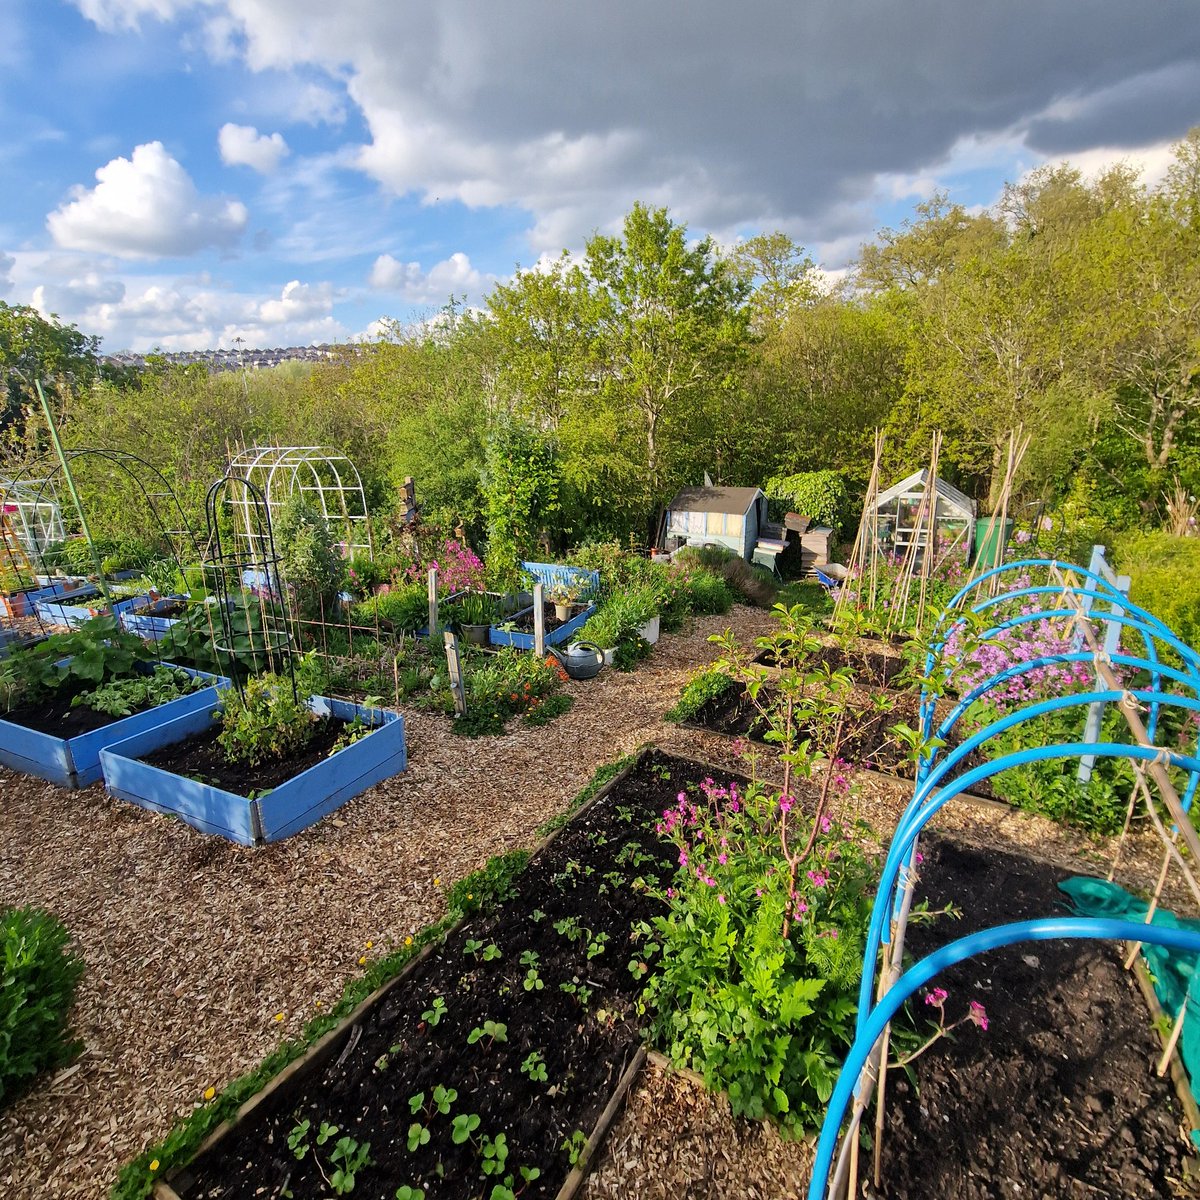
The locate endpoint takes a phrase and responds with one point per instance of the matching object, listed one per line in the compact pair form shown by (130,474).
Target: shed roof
(736,500)
(917,480)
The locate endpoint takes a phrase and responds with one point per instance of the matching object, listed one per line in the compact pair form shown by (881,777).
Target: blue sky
(180,173)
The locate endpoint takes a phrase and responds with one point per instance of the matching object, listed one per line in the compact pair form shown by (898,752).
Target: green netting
(1173,972)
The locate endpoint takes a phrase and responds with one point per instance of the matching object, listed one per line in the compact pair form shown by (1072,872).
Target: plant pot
(477,635)
(609,652)
(562,612)
(650,630)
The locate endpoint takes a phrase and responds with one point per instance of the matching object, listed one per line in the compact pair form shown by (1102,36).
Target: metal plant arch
(1080,599)
(34,490)
(324,476)
(242,576)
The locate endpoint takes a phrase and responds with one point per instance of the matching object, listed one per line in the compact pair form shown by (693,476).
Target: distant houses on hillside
(230,360)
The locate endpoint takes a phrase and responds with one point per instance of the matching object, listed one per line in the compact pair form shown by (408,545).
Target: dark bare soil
(872,667)
(201,758)
(524,622)
(1059,1097)
(57,718)
(593,873)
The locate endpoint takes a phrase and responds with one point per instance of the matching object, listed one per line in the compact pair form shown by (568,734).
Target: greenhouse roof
(916,483)
(736,500)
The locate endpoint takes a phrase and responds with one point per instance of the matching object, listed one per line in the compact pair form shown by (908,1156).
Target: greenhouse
(904,519)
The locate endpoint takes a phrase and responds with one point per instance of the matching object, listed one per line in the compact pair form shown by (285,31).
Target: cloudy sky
(179,173)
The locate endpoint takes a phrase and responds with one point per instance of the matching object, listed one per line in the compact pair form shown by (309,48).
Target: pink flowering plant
(935,1003)
(459,568)
(761,943)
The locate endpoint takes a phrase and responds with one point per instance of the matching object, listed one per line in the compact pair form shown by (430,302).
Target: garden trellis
(1155,660)
(328,479)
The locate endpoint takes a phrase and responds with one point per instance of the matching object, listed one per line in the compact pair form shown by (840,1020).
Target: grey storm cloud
(735,113)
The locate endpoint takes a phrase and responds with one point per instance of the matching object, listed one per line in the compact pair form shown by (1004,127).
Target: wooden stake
(539,622)
(433,601)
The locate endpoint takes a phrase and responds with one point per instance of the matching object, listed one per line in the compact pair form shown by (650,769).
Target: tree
(34,349)
(779,276)
(670,324)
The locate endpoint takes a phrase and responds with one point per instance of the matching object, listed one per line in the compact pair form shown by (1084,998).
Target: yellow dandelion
(154,1164)
(318,1004)
(279,1016)
(437,881)
(209,1093)
(370,944)
(408,941)
(470,896)
(362,960)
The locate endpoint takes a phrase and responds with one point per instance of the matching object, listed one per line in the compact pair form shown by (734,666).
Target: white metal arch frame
(329,479)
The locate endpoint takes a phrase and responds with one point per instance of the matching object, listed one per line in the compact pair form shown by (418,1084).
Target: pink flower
(937,997)
(721,900)
(818,878)
(722,859)
(785,803)
(978,1015)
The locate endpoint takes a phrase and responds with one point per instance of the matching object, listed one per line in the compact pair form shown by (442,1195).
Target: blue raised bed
(23,604)
(147,624)
(74,615)
(524,641)
(285,810)
(75,762)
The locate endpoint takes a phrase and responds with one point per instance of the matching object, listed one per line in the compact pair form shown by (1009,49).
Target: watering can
(580,660)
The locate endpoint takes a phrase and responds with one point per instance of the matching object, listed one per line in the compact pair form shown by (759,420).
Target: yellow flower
(318,1004)
(279,1016)
(470,896)
(437,881)
(408,941)
(370,944)
(209,1093)
(362,960)
(154,1164)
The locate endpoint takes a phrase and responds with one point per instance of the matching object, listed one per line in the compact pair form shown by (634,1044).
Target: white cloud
(7,262)
(127,14)
(244,146)
(297,302)
(146,206)
(78,294)
(452,276)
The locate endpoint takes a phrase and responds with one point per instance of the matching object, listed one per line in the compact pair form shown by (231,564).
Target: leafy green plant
(66,663)
(348,1157)
(311,567)
(575,1145)
(494,1031)
(475,608)
(434,1014)
(124,696)
(265,722)
(534,1066)
(707,593)
(705,685)
(493,1154)
(38,978)
(463,1126)
(820,495)
(403,608)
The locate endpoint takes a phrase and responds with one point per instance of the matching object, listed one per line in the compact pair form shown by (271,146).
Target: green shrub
(38,977)
(404,609)
(506,684)
(266,722)
(753,584)
(1165,578)
(820,495)
(310,563)
(708,594)
(703,686)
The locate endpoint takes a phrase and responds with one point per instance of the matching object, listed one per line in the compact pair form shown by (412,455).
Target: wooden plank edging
(321,1050)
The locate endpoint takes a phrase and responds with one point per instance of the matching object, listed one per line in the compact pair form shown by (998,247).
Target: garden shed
(721,516)
(902,518)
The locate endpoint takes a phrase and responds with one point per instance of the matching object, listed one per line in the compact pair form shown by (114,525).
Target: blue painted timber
(75,762)
(524,641)
(586,583)
(147,624)
(283,811)
(75,615)
(22,604)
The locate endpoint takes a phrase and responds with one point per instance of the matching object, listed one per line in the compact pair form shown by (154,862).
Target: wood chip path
(201,955)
